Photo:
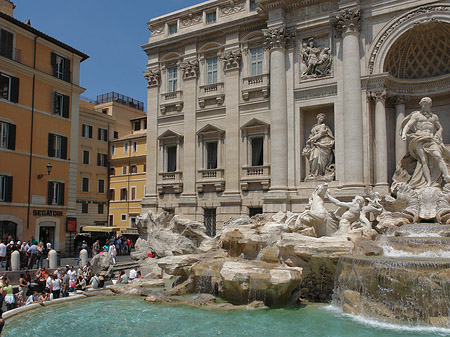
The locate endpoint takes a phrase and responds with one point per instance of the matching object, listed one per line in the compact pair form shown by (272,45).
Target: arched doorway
(8,228)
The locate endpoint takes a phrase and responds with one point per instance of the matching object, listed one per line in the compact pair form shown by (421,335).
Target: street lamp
(49,169)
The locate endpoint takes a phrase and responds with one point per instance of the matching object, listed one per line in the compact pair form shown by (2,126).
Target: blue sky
(109,31)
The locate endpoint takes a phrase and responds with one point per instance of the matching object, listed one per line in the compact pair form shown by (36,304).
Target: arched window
(8,228)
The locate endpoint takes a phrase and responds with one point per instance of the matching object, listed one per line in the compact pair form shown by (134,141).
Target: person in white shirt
(33,298)
(2,253)
(72,278)
(133,274)
(48,283)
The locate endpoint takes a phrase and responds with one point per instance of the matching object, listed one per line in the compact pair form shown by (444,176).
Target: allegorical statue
(316,61)
(427,164)
(319,151)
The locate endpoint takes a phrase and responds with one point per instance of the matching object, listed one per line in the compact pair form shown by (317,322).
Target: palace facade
(252,103)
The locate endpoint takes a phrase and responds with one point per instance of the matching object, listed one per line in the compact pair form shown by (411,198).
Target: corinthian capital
(232,59)
(189,68)
(278,38)
(153,77)
(348,21)
(379,94)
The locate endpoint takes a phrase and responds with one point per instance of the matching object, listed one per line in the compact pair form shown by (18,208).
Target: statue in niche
(427,163)
(319,151)
(316,62)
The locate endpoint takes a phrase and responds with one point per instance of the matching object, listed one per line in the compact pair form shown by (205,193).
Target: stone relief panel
(315,57)
(235,6)
(306,12)
(156,30)
(191,19)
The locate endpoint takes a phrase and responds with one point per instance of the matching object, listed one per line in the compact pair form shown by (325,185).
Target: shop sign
(46,212)
(71,225)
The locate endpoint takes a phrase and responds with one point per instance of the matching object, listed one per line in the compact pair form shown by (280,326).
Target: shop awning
(104,229)
(129,231)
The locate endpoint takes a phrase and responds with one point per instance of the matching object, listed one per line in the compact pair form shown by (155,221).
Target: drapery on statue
(426,150)
(319,151)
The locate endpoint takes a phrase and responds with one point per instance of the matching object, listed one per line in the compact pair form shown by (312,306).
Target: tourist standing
(113,252)
(32,253)
(55,286)
(72,278)
(2,253)
(65,284)
(95,248)
(9,295)
(23,287)
(40,255)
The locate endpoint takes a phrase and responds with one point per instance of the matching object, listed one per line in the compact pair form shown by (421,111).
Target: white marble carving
(316,61)
(319,151)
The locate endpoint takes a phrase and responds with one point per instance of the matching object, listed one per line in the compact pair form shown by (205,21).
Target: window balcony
(210,177)
(255,174)
(258,83)
(172,101)
(211,92)
(170,182)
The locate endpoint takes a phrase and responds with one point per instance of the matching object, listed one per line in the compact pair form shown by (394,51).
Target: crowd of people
(32,253)
(47,286)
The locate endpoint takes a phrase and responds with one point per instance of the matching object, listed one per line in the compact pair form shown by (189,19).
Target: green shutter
(11,136)
(61,194)
(49,192)
(63,147)
(51,140)
(14,96)
(53,63)
(66,105)
(66,75)
(8,188)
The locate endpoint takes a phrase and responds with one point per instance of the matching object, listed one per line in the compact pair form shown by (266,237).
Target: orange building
(39,119)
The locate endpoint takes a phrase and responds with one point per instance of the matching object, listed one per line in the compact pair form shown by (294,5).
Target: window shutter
(8,188)
(99,134)
(53,63)
(53,101)
(6,43)
(14,97)
(61,194)
(98,159)
(11,137)
(51,140)
(83,130)
(49,193)
(63,147)
(90,131)
(66,76)
(66,104)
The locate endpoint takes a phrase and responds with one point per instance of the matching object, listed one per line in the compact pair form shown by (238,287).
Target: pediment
(254,124)
(169,134)
(209,129)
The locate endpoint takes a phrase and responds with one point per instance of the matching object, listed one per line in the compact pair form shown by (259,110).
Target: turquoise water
(131,316)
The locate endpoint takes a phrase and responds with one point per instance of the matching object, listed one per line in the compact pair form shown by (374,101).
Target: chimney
(7,7)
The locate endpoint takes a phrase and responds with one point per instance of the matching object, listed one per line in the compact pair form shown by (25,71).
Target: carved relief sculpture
(319,151)
(189,68)
(153,77)
(427,163)
(316,61)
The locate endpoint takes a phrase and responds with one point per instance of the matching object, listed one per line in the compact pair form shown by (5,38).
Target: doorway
(47,232)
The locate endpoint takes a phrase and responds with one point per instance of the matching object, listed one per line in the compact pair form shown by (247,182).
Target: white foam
(388,251)
(388,326)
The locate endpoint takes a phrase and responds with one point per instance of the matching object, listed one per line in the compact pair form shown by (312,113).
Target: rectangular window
(86,131)
(132,221)
(55,195)
(172,76)
(61,67)
(173,28)
(253,5)
(6,183)
(84,207)
(86,157)
(100,208)
(257,151)
(211,155)
(116,134)
(133,169)
(210,221)
(124,169)
(102,134)
(111,220)
(7,136)
(61,104)
(171,153)
(256,66)
(85,185)
(123,194)
(112,171)
(211,17)
(6,43)
(57,146)
(112,194)
(133,193)
(123,217)
(137,126)
(252,211)
(145,124)
(113,150)
(211,71)
(9,88)
(101,186)
(102,159)
(134,148)
(125,148)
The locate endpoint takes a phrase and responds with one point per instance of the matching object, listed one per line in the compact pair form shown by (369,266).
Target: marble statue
(427,163)
(319,151)
(316,62)
(348,213)
(317,215)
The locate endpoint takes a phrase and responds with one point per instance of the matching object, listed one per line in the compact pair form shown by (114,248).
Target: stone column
(232,62)
(277,40)
(150,200)
(348,23)
(190,71)
(400,145)
(380,144)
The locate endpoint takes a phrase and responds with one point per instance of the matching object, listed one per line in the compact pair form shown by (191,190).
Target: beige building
(127,176)
(235,89)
